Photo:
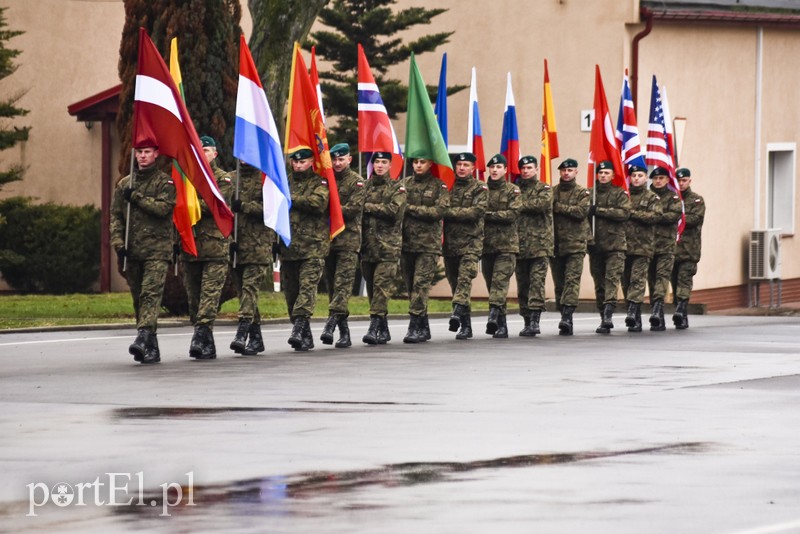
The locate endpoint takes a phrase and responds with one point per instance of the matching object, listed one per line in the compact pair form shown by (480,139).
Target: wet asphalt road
(694,431)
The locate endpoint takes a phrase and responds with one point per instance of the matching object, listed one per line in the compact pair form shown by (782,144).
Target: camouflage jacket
(500,222)
(382,223)
(152,202)
(253,238)
(688,247)
(570,225)
(666,225)
(308,217)
(612,211)
(426,200)
(535,222)
(351,195)
(639,230)
(211,245)
(463,220)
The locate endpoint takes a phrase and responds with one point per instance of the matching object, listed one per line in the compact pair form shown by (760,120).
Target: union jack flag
(630,147)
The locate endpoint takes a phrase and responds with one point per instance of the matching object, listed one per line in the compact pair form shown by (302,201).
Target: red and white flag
(603,144)
(315,81)
(160,116)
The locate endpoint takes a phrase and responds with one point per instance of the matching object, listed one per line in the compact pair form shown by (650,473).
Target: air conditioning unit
(765,254)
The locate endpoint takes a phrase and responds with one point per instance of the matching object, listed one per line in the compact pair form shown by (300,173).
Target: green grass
(25,311)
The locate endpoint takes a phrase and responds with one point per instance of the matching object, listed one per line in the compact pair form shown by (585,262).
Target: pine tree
(10,136)
(375,25)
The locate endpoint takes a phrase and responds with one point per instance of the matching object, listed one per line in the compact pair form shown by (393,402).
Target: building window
(781,161)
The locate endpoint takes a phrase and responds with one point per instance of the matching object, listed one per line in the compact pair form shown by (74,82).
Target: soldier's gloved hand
(126,193)
(236,206)
(122,253)
(276,249)
(592,210)
(234,248)
(176,250)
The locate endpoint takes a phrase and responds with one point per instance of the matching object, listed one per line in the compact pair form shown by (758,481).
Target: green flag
(423,136)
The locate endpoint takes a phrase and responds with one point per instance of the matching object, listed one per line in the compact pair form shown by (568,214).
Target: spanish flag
(305,129)
(549,133)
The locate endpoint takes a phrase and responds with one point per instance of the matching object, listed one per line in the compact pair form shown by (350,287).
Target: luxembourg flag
(255,141)
(509,146)
(474,133)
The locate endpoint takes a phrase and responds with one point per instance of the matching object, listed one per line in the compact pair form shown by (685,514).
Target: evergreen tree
(10,136)
(375,25)
(208,49)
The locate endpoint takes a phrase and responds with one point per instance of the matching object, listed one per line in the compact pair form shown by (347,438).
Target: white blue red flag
(630,146)
(255,141)
(509,144)
(375,130)
(474,132)
(440,108)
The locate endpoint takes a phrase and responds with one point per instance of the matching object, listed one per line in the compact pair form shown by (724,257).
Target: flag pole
(236,216)
(128,211)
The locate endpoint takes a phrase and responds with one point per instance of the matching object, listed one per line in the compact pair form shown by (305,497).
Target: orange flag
(549,133)
(305,129)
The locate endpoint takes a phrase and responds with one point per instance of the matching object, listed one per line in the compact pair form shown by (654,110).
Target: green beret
(637,168)
(568,163)
(207,140)
(683,172)
(466,156)
(339,150)
(303,153)
(497,159)
(659,171)
(381,155)
(525,160)
(604,165)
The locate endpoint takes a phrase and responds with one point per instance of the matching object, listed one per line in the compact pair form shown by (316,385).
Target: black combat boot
(196,345)
(502,326)
(296,337)
(414,334)
(255,343)
(491,322)
(630,318)
(371,337)
(455,319)
(240,339)
(602,329)
(565,324)
(308,338)
(536,316)
(424,328)
(207,348)
(344,333)
(383,330)
(608,315)
(151,352)
(637,318)
(466,326)
(138,347)
(681,317)
(526,329)
(327,331)
(657,317)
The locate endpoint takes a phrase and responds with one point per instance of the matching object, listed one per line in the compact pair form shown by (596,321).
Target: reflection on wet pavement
(163,412)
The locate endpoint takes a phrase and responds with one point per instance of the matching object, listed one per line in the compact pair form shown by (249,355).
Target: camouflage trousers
(531,278)
(658,276)
(340,274)
(460,272)
(497,270)
(566,271)
(203,281)
(299,281)
(146,280)
(682,279)
(379,278)
(419,269)
(248,279)
(634,278)
(606,270)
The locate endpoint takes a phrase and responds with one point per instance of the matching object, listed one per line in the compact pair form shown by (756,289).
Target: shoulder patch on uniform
(586,192)
(401,188)
(360,184)
(675,197)
(517,191)
(698,200)
(485,187)
(324,181)
(546,186)
(658,197)
(170,182)
(225,179)
(444,185)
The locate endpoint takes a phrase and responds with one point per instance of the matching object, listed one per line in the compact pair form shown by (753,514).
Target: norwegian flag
(630,147)
(375,130)
(659,148)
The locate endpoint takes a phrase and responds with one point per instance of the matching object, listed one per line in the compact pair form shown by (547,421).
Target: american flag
(630,147)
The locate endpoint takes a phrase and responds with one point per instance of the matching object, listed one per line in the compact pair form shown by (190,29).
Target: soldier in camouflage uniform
(665,230)
(611,209)
(570,232)
(204,274)
(382,236)
(302,262)
(500,243)
(426,201)
(342,261)
(687,251)
(463,240)
(535,226)
(639,236)
(150,196)
(252,254)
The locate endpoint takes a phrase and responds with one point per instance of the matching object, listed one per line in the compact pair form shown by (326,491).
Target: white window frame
(770,209)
